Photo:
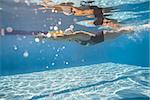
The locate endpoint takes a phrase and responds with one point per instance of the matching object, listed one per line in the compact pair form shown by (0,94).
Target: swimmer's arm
(78,35)
(44,8)
(84,32)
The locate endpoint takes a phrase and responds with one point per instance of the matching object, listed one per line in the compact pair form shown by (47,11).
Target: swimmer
(84,10)
(88,38)
(67,8)
(98,14)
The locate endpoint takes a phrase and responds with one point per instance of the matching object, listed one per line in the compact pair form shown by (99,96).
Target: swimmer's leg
(123,30)
(134,28)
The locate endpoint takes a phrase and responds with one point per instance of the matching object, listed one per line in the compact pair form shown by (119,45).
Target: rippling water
(101,81)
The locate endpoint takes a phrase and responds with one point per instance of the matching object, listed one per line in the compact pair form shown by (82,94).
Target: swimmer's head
(76,11)
(73,10)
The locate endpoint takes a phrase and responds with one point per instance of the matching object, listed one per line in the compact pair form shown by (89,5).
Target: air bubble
(55,28)
(56,55)
(63,47)
(59,22)
(83,60)
(58,50)
(47,67)
(9,29)
(54,48)
(25,54)
(53,10)
(15,47)
(37,40)
(51,27)
(24,37)
(44,25)
(66,63)
(53,64)
(43,41)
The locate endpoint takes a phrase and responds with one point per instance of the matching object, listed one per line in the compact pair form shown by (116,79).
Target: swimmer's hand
(40,36)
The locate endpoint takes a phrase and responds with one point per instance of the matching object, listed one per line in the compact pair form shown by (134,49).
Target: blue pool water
(121,50)
(53,70)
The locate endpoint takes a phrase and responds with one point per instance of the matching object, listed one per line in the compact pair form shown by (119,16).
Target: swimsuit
(98,15)
(94,39)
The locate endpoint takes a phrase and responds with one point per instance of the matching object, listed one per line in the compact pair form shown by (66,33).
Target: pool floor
(106,81)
